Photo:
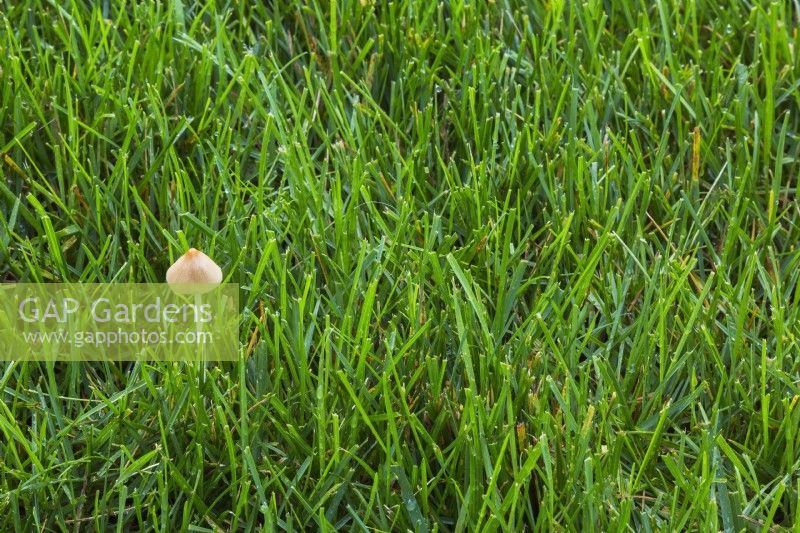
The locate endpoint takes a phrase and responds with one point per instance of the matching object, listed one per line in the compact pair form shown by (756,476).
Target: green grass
(504,265)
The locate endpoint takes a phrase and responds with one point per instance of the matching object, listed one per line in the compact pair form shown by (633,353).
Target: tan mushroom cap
(194,268)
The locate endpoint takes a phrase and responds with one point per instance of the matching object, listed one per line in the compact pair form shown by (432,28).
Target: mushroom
(194,271)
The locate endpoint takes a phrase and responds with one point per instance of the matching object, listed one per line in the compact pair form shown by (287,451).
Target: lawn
(503,265)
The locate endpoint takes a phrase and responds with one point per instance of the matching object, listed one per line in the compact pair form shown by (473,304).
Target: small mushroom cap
(194,268)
